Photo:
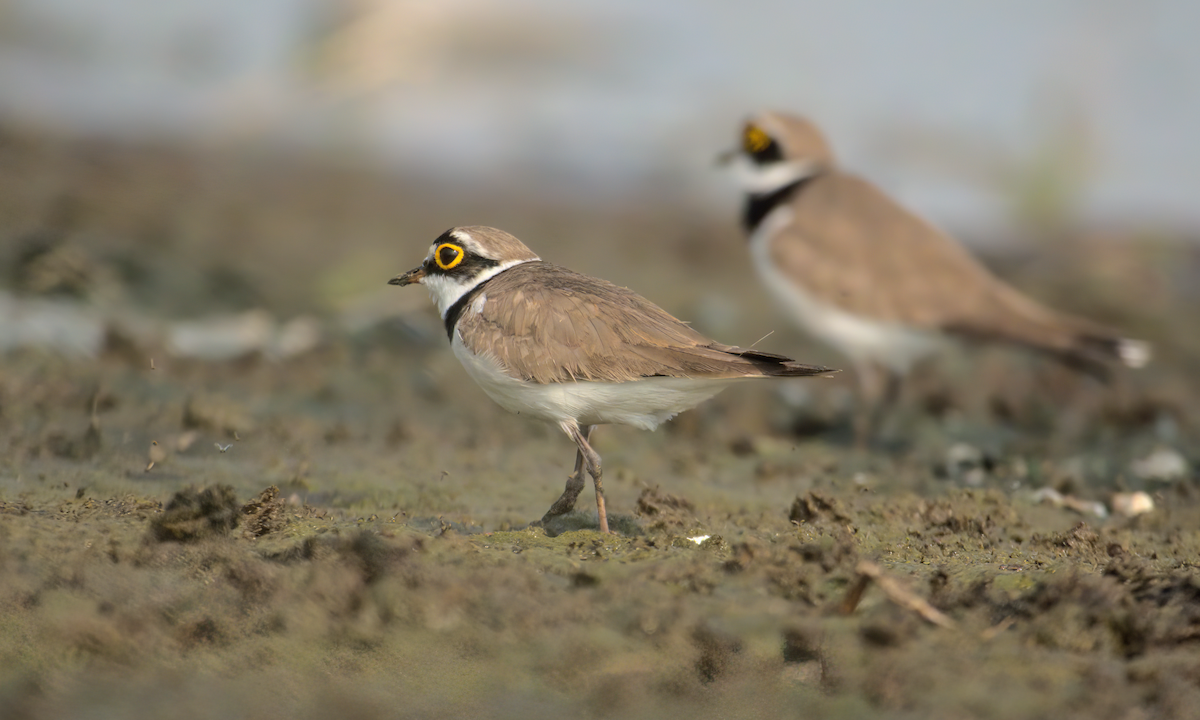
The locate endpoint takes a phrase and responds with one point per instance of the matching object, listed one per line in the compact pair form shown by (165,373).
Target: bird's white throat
(446,289)
(761,179)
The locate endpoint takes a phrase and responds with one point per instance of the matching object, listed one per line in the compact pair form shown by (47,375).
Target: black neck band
(759,205)
(456,310)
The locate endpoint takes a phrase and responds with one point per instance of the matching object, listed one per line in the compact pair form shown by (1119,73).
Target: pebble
(965,463)
(1131,504)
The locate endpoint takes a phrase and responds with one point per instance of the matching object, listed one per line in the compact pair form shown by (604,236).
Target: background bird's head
(777,149)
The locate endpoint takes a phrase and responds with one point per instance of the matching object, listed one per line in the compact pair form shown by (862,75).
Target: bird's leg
(592,459)
(879,387)
(566,502)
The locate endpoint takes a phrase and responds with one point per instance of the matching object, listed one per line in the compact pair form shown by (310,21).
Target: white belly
(645,403)
(859,338)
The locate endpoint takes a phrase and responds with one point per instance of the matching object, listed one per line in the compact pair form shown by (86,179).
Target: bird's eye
(754,140)
(448,255)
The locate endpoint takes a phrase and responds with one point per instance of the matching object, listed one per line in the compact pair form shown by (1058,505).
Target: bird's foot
(566,502)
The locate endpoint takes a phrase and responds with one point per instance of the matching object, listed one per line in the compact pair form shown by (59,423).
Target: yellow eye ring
(458,256)
(754,139)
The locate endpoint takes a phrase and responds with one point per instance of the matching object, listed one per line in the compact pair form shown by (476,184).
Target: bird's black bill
(408,278)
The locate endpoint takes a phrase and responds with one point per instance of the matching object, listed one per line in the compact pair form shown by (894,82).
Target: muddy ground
(344,532)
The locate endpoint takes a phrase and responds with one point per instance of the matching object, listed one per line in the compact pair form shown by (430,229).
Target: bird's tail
(1079,343)
(1126,351)
(781,365)
(1095,353)
(1134,353)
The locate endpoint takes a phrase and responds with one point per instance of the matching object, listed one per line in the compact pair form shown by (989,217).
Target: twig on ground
(867,572)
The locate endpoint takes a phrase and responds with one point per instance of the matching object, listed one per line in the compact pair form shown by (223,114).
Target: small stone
(967,464)
(1131,504)
(961,454)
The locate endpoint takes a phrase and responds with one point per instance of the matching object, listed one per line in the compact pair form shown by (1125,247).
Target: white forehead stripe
(469,243)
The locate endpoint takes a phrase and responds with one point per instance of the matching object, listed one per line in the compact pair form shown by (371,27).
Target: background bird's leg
(592,458)
(878,389)
(566,502)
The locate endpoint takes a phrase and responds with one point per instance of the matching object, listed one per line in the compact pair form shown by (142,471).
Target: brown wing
(853,247)
(548,324)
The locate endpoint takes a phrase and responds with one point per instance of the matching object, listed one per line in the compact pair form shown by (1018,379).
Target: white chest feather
(644,404)
(859,338)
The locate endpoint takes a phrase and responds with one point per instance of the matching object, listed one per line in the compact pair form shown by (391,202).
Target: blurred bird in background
(876,282)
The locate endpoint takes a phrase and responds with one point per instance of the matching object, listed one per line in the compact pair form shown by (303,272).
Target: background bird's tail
(1077,342)
(1126,351)
(1134,353)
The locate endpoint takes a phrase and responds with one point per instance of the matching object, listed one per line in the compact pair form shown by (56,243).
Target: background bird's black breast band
(758,206)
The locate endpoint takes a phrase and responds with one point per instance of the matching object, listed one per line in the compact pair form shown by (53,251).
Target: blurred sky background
(980,115)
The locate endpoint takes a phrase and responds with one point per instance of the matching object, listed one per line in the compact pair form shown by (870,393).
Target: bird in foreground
(879,284)
(573,350)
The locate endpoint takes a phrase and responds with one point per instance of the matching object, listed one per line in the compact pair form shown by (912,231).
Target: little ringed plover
(879,284)
(574,350)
